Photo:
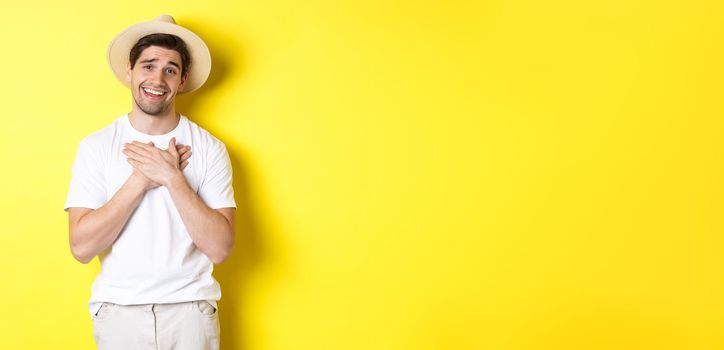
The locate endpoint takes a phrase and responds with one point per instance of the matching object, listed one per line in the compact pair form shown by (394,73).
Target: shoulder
(205,138)
(102,138)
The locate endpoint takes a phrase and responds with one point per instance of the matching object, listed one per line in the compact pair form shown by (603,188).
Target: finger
(135,156)
(135,164)
(132,153)
(184,156)
(172,147)
(140,148)
(147,150)
(147,146)
(182,149)
(184,164)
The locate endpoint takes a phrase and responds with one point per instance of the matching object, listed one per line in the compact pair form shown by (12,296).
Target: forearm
(98,229)
(210,231)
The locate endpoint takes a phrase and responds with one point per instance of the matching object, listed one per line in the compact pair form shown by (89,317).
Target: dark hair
(167,41)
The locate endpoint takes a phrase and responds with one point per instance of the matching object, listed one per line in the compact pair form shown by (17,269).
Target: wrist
(138,182)
(175,180)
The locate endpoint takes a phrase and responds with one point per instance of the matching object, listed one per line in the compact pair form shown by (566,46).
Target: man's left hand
(160,166)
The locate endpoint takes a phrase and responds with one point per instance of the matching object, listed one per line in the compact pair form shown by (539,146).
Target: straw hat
(121,45)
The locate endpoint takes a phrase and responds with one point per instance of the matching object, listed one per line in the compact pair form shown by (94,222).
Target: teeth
(153,92)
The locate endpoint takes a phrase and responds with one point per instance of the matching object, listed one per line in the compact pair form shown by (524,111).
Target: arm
(211,230)
(92,231)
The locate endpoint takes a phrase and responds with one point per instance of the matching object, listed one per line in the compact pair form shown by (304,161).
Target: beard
(150,108)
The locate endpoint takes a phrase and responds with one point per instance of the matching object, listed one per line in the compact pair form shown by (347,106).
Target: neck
(154,124)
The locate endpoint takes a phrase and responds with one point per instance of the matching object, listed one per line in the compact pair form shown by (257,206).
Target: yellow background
(502,174)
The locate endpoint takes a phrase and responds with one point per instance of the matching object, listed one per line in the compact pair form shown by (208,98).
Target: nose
(156,77)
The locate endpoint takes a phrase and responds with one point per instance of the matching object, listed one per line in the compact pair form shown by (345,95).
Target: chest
(118,170)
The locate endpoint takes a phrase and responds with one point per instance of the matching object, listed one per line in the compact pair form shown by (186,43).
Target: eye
(147,67)
(170,71)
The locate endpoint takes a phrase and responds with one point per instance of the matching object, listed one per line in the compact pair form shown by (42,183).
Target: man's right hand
(184,154)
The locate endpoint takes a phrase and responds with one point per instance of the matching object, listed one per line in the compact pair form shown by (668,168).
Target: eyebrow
(156,59)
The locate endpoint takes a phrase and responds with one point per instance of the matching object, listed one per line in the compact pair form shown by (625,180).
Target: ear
(128,73)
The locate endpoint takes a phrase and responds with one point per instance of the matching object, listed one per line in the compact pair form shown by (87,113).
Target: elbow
(79,252)
(80,247)
(223,251)
(220,255)
(80,255)
(218,258)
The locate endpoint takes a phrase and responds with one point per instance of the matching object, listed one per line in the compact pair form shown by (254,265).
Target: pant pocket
(102,312)
(206,308)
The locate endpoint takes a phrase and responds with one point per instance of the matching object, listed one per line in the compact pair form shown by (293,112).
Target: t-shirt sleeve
(87,183)
(216,189)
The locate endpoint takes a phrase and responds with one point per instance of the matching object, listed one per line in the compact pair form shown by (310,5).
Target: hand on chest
(119,169)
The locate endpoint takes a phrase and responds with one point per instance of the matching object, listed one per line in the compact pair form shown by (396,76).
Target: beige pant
(192,325)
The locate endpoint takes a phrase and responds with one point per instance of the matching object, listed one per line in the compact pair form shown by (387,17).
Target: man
(151,195)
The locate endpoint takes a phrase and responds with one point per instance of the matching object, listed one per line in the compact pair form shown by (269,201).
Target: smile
(153,93)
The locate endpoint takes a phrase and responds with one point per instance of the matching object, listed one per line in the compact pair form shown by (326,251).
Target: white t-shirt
(153,259)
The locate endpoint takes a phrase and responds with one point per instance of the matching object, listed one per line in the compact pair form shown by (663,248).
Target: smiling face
(155,79)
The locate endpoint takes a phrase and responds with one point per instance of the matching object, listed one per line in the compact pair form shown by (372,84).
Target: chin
(151,110)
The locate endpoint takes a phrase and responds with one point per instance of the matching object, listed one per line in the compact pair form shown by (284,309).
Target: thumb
(172,146)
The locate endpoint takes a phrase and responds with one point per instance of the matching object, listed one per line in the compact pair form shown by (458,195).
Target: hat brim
(120,47)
